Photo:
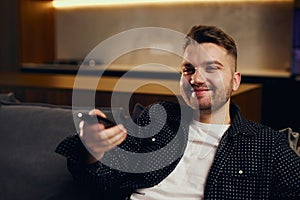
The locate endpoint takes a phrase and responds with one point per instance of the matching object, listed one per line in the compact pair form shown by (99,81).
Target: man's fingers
(100,140)
(106,145)
(112,132)
(97,112)
(117,139)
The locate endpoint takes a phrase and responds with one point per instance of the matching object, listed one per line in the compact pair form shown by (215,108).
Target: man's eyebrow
(210,62)
(213,62)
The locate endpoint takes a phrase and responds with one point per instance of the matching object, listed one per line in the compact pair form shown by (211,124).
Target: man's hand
(99,140)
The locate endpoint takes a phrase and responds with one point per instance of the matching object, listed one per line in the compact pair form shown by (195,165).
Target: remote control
(93,119)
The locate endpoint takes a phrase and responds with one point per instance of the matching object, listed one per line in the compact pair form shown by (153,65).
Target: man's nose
(197,77)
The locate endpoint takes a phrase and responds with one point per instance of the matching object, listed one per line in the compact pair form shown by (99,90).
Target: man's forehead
(198,54)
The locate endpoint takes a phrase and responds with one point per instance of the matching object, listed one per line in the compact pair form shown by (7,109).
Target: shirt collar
(239,125)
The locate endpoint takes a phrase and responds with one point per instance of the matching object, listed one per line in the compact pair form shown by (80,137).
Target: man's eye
(211,68)
(188,71)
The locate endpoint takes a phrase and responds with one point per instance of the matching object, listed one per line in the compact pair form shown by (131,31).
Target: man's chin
(205,110)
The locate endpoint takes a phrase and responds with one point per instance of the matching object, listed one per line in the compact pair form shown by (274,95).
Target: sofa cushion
(29,167)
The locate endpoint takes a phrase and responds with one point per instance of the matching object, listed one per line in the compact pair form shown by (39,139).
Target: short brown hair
(212,34)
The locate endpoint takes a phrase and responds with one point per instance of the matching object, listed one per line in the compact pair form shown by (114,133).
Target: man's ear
(236,81)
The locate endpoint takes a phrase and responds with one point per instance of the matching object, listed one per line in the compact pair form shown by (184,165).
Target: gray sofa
(29,167)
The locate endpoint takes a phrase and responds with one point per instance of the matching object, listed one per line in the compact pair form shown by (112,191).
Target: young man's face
(208,76)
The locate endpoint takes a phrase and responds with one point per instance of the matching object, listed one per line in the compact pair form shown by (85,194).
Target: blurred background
(53,37)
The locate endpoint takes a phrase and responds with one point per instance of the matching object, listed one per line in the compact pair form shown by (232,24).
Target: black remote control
(93,119)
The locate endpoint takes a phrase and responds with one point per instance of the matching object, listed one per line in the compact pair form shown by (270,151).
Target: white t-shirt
(187,180)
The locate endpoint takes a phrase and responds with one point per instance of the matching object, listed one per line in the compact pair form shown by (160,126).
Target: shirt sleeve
(96,175)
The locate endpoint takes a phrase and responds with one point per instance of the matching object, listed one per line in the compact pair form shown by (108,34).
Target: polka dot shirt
(252,161)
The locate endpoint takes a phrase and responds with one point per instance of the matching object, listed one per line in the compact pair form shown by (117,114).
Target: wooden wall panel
(9,35)
(58,89)
(37,31)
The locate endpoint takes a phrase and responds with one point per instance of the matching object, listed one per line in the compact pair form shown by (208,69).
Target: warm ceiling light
(76,3)
(81,3)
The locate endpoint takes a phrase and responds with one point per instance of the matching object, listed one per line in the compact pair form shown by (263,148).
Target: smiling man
(207,152)
(210,71)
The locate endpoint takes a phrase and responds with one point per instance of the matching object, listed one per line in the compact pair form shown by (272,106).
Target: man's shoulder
(254,132)
(262,129)
(269,136)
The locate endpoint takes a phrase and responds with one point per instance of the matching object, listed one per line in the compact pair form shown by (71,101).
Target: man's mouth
(200,91)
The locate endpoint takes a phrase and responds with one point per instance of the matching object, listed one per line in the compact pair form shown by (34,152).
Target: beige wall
(262,31)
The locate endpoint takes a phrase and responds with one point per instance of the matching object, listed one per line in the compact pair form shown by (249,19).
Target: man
(212,151)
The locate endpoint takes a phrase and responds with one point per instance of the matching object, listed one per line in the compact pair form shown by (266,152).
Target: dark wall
(9,25)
